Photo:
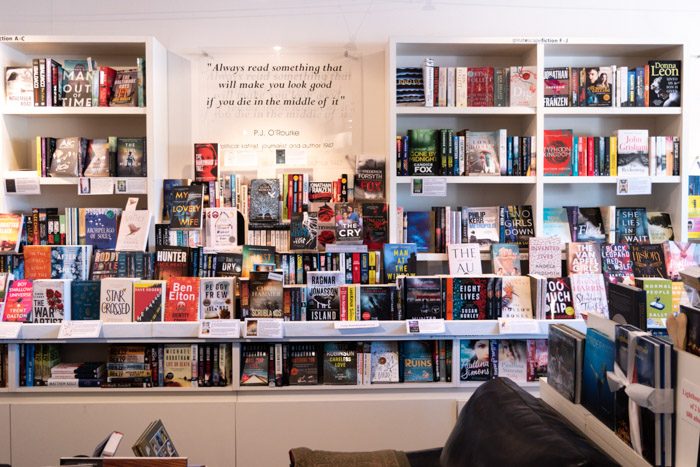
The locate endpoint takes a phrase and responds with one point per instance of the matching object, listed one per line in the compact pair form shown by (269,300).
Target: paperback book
(101,227)
(583,258)
(133,231)
(116,300)
(323,299)
(617,263)
(206,162)
(400,259)
(589,294)
(475,360)
(264,200)
(467,298)
(375,225)
(221,228)
(85,300)
(265,295)
(420,230)
(384,362)
(131,157)
(648,260)
(369,179)
(182,299)
(149,301)
(303,231)
(505,259)
(480,225)
(51,301)
(217,298)
(339,363)
(18,301)
(417,361)
(516,301)
(631,225)
(422,298)
(186,204)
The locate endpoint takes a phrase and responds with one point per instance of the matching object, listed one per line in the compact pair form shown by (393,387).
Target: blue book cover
(101,227)
(420,229)
(474,360)
(631,225)
(399,260)
(85,300)
(599,358)
(648,372)
(71,262)
(417,361)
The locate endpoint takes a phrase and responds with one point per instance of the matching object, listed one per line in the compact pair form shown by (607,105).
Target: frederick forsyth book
(116,300)
(217,298)
(648,260)
(583,258)
(617,263)
(264,200)
(369,179)
(632,153)
(131,157)
(85,300)
(206,162)
(133,231)
(101,227)
(480,225)
(323,297)
(399,260)
(266,295)
(631,225)
(149,301)
(186,204)
(51,301)
(303,231)
(422,297)
(182,299)
(221,228)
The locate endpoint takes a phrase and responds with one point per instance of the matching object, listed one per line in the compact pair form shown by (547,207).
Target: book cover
(537,359)
(679,256)
(348,223)
(384,362)
(556,224)
(422,298)
(557,152)
(464,259)
(399,259)
(66,160)
(186,204)
(417,361)
(583,258)
(505,259)
(598,90)
(516,301)
(562,365)
(85,300)
(523,86)
(116,300)
(99,153)
(375,225)
(229,264)
(323,296)
(481,225)
(648,363)
(133,231)
(589,294)
(480,87)
(556,87)
(104,264)
(409,86)
(253,255)
(660,227)
(182,300)
(18,301)
(264,200)
(217,298)
(131,157)
(627,305)
(10,232)
(423,152)
(265,295)
(659,300)
(320,192)
(51,301)
(125,89)
(149,301)
(339,363)
(378,302)
(617,263)
(168,185)
(648,260)
(631,225)
(512,359)
(467,298)
(303,364)
(221,228)
(664,83)
(517,225)
(19,87)
(559,303)
(474,360)
(101,227)
(172,261)
(369,179)
(255,361)
(482,153)
(599,358)
(632,153)
(68,262)
(206,162)
(37,262)
(693,329)
(78,76)
(544,256)
(303,231)
(589,225)
(177,365)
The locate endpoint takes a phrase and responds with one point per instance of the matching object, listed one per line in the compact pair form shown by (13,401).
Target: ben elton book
(206,162)
(182,299)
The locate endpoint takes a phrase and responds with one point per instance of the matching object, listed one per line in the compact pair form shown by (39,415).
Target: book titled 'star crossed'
(186,203)
(116,300)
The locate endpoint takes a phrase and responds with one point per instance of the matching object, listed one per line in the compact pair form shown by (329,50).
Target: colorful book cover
(559,303)
(101,227)
(253,255)
(632,153)
(134,227)
(99,153)
(168,185)
(339,363)
(420,229)
(19,87)
(556,224)
(206,162)
(679,256)
(177,365)
(186,204)
(66,160)
(659,301)
(18,301)
(537,359)
(265,295)
(556,87)
(255,361)
(589,225)
(51,301)
(417,361)
(474,360)
(557,152)
(617,263)
(375,225)
(149,301)
(323,295)
(217,298)
(172,261)
(348,223)
(85,300)
(660,227)
(598,359)
(480,87)
(482,153)
(648,260)
(422,298)
(516,301)
(384,362)
(523,86)
(104,264)
(131,157)
(303,231)
(481,225)
(378,302)
(664,83)
(68,262)
(467,298)
(37,262)
(544,256)
(369,179)
(182,301)
(517,225)
(303,364)
(631,225)
(116,300)
(505,259)
(229,264)
(589,294)
(409,86)
(400,259)
(78,77)
(221,228)
(583,258)
(512,359)
(10,232)
(125,89)
(264,200)
(423,157)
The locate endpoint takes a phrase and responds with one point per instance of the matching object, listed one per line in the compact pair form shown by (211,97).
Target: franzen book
(221,228)
(101,227)
(217,298)
(348,223)
(264,200)
(369,179)
(664,83)
(18,301)
(303,231)
(384,362)
(339,363)
(631,225)
(78,76)
(67,159)
(480,225)
(648,260)
(266,295)
(474,360)
(583,258)
(516,225)
(186,204)
(422,297)
(206,162)
(556,87)
(632,153)
(400,259)
(523,86)
(323,297)
(659,300)
(512,360)
(660,227)
(617,263)
(464,259)
(589,225)
(172,261)
(253,255)
(483,152)
(557,152)
(51,301)
(375,225)
(559,302)
(19,88)
(10,232)
(85,300)
(99,155)
(131,157)
(133,231)
(116,300)
(544,256)
(679,256)
(182,299)
(466,298)
(149,301)
(505,259)
(516,301)
(589,294)
(423,152)
(598,359)
(417,361)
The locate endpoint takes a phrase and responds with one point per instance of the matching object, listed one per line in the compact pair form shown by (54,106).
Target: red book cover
(557,152)
(582,156)
(356,270)
(590,156)
(343,292)
(206,162)
(290,195)
(436,85)
(480,87)
(182,302)
(18,303)
(107,75)
(300,194)
(37,262)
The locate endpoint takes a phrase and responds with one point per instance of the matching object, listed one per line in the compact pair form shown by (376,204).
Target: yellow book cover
(613,156)
(352,298)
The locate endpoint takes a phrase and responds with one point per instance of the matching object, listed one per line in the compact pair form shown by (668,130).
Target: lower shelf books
(155,442)
(522,360)
(3,365)
(345,363)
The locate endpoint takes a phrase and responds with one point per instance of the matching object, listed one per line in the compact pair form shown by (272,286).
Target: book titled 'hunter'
(116,300)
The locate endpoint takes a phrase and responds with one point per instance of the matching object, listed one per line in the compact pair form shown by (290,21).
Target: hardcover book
(409,86)
(10,232)
(78,76)
(517,225)
(536,359)
(557,152)
(51,301)
(369,179)
(133,231)
(544,256)
(583,258)
(598,86)
(480,225)
(679,256)
(18,301)
(523,86)
(303,231)
(422,298)
(348,223)
(229,264)
(516,301)
(255,361)
(464,259)
(303,364)
(339,363)
(556,224)
(660,227)
(264,200)
(104,264)
(466,298)
(168,185)
(627,305)
(177,365)
(253,255)
(631,225)
(186,204)
(85,300)
(556,87)
(505,259)
(474,360)
(172,261)
(589,225)
(483,152)
(206,162)
(617,263)
(221,228)
(399,260)
(125,89)
(182,299)
(19,88)
(649,371)
(99,154)
(512,360)
(417,361)
(101,227)
(375,225)
(66,160)
(217,297)
(599,358)
(423,152)
(559,303)
(384,362)
(149,301)
(378,302)
(131,157)
(659,301)
(323,298)
(116,300)
(480,87)
(265,295)
(589,294)
(664,83)
(420,230)
(648,260)
(632,153)
(565,361)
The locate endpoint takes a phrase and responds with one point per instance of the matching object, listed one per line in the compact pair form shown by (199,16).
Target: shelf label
(22,186)
(429,186)
(89,329)
(133,185)
(518,326)
(4,38)
(356,324)
(263,328)
(10,330)
(240,158)
(689,403)
(540,40)
(95,186)
(633,186)
(219,329)
(425,326)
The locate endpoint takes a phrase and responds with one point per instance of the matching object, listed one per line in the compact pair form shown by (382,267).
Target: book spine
(35,81)
(676,156)
(42,82)
(428,82)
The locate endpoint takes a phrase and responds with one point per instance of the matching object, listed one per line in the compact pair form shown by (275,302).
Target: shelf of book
(62,111)
(476,180)
(166,390)
(593,428)
(494,111)
(600,179)
(349,387)
(476,384)
(603,111)
(485,256)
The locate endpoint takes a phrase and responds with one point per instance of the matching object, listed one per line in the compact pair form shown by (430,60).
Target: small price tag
(264,328)
(425,326)
(219,329)
(275,276)
(133,185)
(355,324)
(10,330)
(518,326)
(95,186)
(80,329)
(429,186)
(634,186)
(22,186)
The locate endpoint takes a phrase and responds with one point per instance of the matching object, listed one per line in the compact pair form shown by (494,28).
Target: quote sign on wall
(277,111)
